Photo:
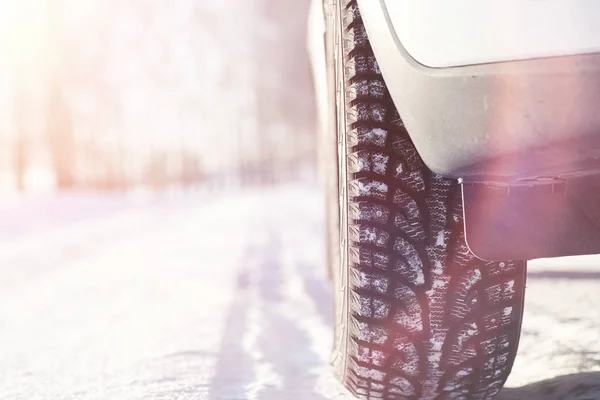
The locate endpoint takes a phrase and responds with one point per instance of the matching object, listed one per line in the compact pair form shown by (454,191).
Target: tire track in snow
(308,300)
(296,366)
(243,370)
(287,336)
(234,366)
(265,375)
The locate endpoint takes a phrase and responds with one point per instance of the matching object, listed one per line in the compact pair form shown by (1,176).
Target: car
(457,140)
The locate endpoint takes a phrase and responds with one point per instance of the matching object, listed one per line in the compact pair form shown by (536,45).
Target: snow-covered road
(228,299)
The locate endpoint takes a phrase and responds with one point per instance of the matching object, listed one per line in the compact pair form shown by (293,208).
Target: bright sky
(22,26)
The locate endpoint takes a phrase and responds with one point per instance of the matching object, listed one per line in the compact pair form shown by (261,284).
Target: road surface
(225,297)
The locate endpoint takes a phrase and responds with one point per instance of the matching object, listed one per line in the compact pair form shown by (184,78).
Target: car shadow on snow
(581,386)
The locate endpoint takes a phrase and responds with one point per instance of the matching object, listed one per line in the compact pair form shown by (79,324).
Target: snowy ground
(225,297)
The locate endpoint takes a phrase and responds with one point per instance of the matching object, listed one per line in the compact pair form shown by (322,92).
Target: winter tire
(418,316)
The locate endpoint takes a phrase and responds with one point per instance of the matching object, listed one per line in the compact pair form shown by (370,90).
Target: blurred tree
(61,140)
(285,98)
(59,127)
(192,172)
(157,174)
(20,156)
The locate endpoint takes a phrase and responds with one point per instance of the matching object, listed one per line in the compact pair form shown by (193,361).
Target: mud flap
(525,222)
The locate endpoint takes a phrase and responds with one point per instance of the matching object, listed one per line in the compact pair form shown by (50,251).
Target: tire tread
(427,319)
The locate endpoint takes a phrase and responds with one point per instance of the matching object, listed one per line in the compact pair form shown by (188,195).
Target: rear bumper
(501,122)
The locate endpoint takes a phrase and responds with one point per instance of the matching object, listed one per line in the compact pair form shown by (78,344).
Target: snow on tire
(419,316)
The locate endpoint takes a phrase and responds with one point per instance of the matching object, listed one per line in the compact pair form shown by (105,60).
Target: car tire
(418,316)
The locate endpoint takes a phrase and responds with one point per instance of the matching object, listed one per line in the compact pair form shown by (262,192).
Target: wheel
(418,316)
